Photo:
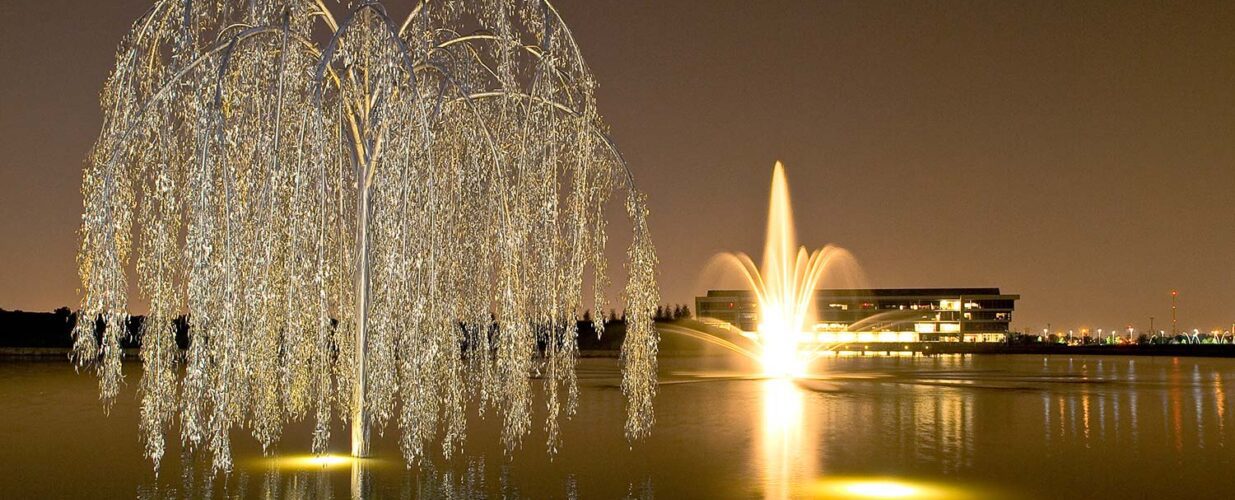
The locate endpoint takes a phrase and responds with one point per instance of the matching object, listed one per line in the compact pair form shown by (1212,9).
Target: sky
(1079,154)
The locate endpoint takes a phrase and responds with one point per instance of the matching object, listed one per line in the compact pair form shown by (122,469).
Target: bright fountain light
(784,286)
(779,355)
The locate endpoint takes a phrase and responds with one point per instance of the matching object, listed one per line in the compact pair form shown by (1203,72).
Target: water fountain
(784,287)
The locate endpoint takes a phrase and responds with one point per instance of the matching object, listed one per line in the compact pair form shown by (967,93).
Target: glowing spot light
(314,462)
(881,489)
(895,488)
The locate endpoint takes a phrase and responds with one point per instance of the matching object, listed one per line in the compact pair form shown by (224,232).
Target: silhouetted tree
(686,312)
(64,314)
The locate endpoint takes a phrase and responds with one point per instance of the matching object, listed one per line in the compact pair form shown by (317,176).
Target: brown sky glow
(1081,154)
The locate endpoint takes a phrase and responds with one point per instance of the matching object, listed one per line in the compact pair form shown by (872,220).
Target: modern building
(881,315)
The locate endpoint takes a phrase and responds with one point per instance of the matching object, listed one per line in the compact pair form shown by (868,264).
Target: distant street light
(1174,324)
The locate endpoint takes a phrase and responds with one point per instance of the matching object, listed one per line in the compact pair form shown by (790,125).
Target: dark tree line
(663,313)
(667,313)
(54,329)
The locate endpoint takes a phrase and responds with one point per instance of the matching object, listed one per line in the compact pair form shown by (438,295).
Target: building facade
(881,315)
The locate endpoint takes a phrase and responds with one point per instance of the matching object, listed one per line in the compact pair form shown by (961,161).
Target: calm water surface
(919,427)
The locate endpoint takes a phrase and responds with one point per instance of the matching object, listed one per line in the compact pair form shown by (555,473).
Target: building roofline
(883,292)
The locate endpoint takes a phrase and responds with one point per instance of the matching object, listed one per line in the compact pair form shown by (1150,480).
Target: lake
(949,426)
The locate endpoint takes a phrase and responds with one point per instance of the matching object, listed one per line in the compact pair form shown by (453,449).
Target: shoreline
(926,349)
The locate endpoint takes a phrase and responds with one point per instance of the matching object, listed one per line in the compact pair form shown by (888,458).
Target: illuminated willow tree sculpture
(393,221)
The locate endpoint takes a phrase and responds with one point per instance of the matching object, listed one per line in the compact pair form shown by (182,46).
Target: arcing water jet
(784,287)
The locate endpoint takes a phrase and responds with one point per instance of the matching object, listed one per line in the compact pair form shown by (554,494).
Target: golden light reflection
(881,489)
(782,439)
(313,462)
(361,481)
(1220,398)
(890,488)
(1085,415)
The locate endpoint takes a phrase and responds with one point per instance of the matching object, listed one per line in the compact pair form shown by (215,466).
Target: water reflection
(310,477)
(802,433)
(965,416)
(1220,403)
(781,442)
(983,427)
(887,488)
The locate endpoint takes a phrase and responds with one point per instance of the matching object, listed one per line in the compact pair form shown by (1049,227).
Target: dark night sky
(1081,154)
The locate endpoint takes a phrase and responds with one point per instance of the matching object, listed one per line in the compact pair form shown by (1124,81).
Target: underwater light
(310,462)
(881,489)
